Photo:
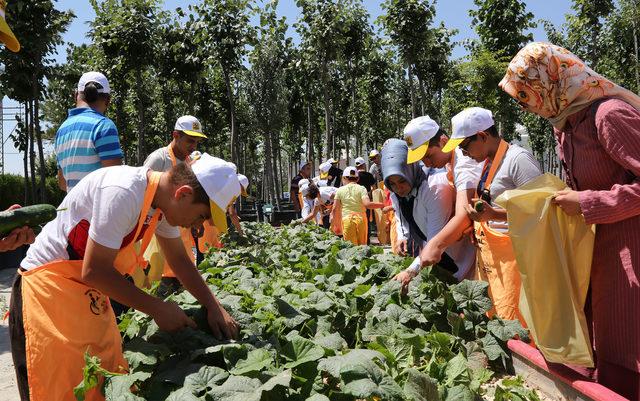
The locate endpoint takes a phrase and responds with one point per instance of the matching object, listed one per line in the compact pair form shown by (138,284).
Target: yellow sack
(154,255)
(554,253)
(381,219)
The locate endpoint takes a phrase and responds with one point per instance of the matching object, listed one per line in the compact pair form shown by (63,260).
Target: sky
(454,13)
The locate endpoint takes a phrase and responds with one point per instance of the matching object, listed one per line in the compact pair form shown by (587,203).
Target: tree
(126,31)
(584,27)
(268,93)
(408,24)
(501,25)
(222,35)
(322,29)
(39,27)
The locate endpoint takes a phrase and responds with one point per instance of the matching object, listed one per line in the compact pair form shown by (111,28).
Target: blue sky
(454,13)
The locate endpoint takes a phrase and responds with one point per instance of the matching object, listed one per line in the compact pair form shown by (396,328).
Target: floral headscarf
(552,82)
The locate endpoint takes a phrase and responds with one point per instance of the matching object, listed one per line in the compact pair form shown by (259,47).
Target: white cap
(360,161)
(304,189)
(467,123)
(220,182)
(373,153)
(331,161)
(321,183)
(244,184)
(324,169)
(350,172)
(302,164)
(303,181)
(190,126)
(417,135)
(97,77)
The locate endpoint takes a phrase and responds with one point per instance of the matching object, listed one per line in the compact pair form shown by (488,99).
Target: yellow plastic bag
(381,219)
(154,255)
(554,253)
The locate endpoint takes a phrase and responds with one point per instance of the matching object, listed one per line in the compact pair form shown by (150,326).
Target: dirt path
(8,389)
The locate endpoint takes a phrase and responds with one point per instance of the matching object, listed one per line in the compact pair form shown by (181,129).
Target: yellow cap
(415,155)
(6,34)
(451,144)
(218,217)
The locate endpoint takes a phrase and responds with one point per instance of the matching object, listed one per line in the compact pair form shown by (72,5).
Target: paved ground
(8,389)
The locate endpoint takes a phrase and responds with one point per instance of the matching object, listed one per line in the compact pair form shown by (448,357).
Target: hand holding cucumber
(17,236)
(479,210)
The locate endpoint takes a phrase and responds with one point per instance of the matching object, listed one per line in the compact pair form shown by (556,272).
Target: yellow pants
(354,228)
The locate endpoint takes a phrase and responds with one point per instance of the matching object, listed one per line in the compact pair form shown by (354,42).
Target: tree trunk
(411,92)
(120,119)
(32,154)
(141,154)
(310,154)
(274,169)
(26,153)
(328,137)
(232,116)
(43,172)
(422,96)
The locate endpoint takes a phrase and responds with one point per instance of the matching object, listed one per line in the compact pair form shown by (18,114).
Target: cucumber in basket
(31,216)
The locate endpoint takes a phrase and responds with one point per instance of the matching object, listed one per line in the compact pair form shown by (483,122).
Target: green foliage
(501,24)
(12,190)
(319,320)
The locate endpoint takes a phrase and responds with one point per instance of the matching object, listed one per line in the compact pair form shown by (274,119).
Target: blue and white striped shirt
(83,140)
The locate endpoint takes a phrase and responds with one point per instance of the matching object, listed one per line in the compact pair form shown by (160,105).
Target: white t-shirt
(466,172)
(105,206)
(307,208)
(326,193)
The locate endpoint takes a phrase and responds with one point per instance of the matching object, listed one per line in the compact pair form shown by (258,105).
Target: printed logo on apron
(97,302)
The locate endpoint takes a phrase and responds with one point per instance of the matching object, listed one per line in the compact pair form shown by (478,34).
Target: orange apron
(63,318)
(210,237)
(497,264)
(156,259)
(381,219)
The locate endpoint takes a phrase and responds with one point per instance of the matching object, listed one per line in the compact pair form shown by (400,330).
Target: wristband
(415,266)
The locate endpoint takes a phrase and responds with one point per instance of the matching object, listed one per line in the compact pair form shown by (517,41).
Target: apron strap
(146,203)
(452,163)
(497,161)
(172,155)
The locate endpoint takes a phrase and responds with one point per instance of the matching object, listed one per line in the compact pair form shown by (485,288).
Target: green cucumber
(31,216)
(479,206)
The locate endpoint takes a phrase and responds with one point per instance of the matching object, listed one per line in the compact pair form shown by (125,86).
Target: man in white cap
(426,141)
(304,171)
(78,263)
(375,168)
(187,134)
(324,178)
(87,140)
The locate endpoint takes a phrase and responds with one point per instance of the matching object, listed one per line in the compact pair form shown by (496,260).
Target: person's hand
(18,237)
(404,277)
(387,209)
(222,324)
(170,317)
(569,201)
(402,247)
(482,212)
(430,255)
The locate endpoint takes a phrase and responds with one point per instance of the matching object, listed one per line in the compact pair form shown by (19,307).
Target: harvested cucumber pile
(321,320)
(32,216)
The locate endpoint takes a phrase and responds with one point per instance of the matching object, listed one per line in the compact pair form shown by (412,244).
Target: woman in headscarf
(597,125)
(423,203)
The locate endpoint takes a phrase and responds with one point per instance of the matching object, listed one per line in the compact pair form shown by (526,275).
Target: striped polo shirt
(83,140)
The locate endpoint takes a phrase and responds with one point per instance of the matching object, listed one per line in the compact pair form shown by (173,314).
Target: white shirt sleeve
(466,172)
(114,214)
(438,199)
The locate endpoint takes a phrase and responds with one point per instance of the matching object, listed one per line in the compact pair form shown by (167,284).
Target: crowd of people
(431,194)
(440,192)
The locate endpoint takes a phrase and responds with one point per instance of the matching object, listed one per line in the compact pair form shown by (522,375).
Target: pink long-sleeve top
(600,150)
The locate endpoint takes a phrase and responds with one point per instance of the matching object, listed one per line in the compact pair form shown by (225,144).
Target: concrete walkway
(8,389)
